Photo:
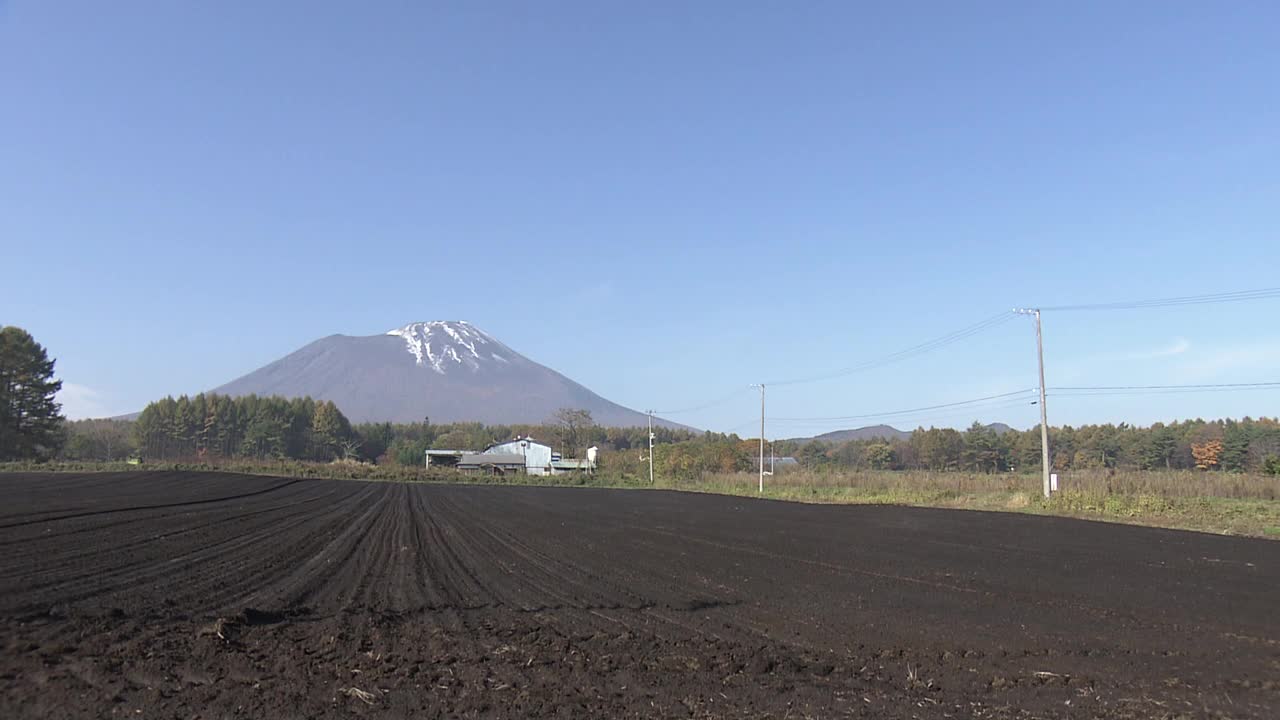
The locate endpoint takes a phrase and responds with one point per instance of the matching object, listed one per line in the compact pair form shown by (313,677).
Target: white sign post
(1053,482)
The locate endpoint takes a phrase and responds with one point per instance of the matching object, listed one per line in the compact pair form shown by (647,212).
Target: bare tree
(573,424)
(349,446)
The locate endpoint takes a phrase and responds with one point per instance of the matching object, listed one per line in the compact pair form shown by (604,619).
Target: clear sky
(663,201)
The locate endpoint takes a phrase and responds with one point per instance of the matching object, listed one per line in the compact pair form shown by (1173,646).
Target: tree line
(210,426)
(1246,445)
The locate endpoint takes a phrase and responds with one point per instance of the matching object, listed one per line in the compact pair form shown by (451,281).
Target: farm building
(776,463)
(491,463)
(537,457)
(540,459)
(523,454)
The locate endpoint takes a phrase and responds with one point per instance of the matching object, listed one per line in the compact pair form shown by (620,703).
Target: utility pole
(761,386)
(1044,411)
(650,447)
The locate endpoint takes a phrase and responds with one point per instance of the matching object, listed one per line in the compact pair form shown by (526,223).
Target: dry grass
(1238,504)
(1164,484)
(1211,502)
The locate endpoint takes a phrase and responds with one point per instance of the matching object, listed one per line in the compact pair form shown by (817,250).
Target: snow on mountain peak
(448,343)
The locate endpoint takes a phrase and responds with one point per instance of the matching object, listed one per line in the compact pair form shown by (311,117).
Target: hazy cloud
(1092,366)
(1244,362)
(1177,347)
(81,401)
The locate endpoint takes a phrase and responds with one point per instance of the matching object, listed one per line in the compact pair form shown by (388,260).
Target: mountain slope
(450,371)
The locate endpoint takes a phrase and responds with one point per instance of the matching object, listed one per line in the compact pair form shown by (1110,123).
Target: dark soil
(192,595)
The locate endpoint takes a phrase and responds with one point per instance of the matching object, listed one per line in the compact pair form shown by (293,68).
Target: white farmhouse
(539,458)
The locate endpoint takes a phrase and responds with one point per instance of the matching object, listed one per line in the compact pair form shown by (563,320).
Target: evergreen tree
(30,417)
(982,449)
(1235,444)
(1160,448)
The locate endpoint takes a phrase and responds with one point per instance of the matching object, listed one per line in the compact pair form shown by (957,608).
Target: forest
(214,426)
(1230,445)
(208,427)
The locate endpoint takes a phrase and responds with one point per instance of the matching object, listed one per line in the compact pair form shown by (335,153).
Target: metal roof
(572,464)
(491,459)
(530,440)
(780,460)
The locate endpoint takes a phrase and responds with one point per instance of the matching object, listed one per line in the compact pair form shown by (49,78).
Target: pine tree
(981,448)
(30,417)
(1160,448)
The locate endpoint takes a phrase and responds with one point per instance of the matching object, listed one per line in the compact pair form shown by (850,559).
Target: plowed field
(192,595)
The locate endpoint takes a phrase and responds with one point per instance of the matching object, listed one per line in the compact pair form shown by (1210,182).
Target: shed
(536,456)
(560,466)
(444,458)
(495,463)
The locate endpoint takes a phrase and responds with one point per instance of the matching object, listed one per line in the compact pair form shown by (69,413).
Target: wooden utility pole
(650,447)
(1044,411)
(761,386)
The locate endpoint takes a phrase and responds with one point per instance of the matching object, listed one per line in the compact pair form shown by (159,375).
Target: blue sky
(664,201)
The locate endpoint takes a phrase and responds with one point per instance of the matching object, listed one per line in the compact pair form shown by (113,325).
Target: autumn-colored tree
(878,456)
(329,430)
(1207,454)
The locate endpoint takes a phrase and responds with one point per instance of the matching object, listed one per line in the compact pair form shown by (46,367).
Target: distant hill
(871,432)
(881,432)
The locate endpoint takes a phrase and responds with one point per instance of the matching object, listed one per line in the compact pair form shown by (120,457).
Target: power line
(1026,400)
(913,351)
(1016,399)
(750,423)
(1238,296)
(705,406)
(1163,390)
(1001,318)
(912,410)
(917,419)
(1170,387)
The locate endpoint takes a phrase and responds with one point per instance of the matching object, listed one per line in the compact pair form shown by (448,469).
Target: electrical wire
(1004,317)
(891,413)
(1238,296)
(1168,387)
(755,422)
(705,406)
(908,421)
(905,354)
(1029,401)
(1169,391)
(913,351)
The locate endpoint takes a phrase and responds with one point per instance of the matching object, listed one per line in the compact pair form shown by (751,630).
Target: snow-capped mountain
(444,344)
(450,371)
